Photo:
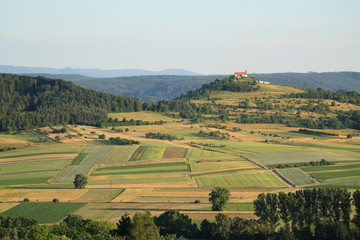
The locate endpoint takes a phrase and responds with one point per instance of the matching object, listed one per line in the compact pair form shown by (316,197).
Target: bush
(26,200)
(55,200)
(197,201)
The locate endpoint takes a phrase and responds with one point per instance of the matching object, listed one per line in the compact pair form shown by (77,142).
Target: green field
(274,159)
(44,212)
(334,175)
(148,153)
(145,173)
(94,154)
(241,207)
(350,183)
(208,165)
(296,176)
(30,172)
(251,179)
(198,154)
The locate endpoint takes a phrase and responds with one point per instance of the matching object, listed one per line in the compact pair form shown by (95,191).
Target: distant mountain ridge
(92,72)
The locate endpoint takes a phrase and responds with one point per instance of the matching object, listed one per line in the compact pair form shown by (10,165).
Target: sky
(203,36)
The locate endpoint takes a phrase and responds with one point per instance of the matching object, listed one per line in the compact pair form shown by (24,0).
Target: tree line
(352,97)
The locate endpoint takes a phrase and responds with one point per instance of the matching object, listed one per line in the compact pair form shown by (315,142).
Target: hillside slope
(28,102)
(251,101)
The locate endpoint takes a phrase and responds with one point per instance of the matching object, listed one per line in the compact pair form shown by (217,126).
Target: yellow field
(40,195)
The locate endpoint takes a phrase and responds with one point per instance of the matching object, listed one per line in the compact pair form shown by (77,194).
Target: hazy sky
(204,36)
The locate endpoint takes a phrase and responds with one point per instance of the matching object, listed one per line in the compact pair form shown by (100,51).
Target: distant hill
(327,80)
(30,102)
(165,87)
(92,72)
(147,88)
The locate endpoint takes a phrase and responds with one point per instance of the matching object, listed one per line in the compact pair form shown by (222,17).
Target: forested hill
(147,88)
(29,102)
(166,87)
(334,81)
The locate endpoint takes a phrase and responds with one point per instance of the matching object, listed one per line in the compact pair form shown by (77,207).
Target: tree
(219,198)
(174,222)
(80,181)
(57,138)
(356,201)
(221,228)
(143,227)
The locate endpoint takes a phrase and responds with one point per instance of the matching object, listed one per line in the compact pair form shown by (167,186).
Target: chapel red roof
(240,73)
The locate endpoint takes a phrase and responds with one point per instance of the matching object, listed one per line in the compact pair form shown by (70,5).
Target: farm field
(274,159)
(246,179)
(158,175)
(211,165)
(144,173)
(44,212)
(296,176)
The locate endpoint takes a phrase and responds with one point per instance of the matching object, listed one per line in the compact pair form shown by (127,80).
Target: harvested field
(5,206)
(241,179)
(44,212)
(130,194)
(145,185)
(296,176)
(113,211)
(41,195)
(172,152)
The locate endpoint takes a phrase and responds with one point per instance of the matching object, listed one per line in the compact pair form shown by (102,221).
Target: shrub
(26,200)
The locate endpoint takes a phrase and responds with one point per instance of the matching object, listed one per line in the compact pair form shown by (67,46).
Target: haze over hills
(92,72)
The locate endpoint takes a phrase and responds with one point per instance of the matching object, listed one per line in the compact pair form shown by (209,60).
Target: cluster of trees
(114,122)
(31,102)
(340,96)
(61,130)
(349,119)
(163,136)
(318,133)
(213,134)
(305,213)
(322,162)
(225,84)
(119,141)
